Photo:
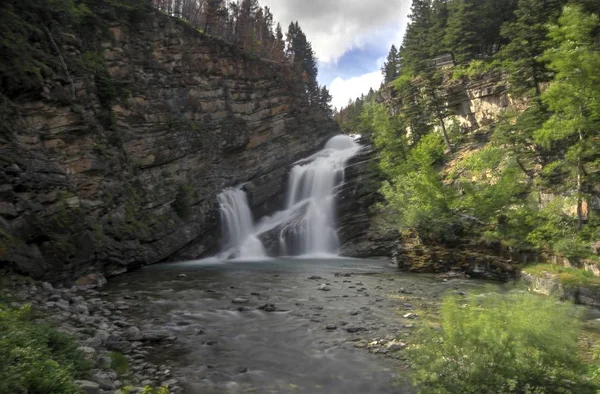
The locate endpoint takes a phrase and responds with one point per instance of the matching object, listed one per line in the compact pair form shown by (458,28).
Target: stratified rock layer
(127,173)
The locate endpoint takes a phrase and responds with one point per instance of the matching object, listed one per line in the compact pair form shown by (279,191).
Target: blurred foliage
(493,343)
(36,358)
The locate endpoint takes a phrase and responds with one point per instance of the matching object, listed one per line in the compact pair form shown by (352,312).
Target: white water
(307,225)
(238,226)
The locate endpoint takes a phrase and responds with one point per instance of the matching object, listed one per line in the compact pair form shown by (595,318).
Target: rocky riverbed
(275,326)
(102,330)
(278,326)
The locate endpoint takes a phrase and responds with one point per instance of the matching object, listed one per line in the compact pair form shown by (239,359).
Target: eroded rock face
(127,173)
(361,233)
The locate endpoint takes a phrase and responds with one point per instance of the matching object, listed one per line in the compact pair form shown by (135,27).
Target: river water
(228,347)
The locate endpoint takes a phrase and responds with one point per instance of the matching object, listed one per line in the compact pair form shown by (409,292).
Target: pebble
(240,301)
(331,327)
(324,287)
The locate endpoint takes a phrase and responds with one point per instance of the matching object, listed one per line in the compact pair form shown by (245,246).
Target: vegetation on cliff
(529,178)
(494,343)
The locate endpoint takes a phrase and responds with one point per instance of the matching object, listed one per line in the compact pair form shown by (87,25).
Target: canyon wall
(126,172)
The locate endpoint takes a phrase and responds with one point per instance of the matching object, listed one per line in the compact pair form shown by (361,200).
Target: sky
(351,39)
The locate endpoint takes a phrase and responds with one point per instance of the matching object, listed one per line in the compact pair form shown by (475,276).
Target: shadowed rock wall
(126,173)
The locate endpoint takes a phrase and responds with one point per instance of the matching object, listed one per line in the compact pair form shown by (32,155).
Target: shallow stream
(312,334)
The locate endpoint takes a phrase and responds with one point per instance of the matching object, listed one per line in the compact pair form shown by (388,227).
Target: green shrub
(119,363)
(35,358)
(516,343)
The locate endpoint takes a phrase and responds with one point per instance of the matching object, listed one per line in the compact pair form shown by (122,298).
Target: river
(312,334)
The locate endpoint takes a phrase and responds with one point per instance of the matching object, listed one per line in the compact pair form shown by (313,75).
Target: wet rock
(315,277)
(91,281)
(155,336)
(353,330)
(410,316)
(240,300)
(182,276)
(270,308)
(243,309)
(331,327)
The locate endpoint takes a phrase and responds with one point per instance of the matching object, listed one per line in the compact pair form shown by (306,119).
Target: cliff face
(127,172)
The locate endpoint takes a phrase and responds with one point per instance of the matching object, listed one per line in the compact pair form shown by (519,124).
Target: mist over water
(307,226)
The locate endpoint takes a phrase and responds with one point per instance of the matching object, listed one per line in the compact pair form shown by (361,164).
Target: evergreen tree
(213,11)
(391,67)
(526,38)
(325,101)
(303,58)
(438,27)
(574,96)
(461,37)
(415,49)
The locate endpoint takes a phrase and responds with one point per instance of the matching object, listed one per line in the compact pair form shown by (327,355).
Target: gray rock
(240,300)
(331,327)
(89,352)
(81,309)
(88,387)
(103,362)
(133,334)
(394,346)
(171,383)
(324,287)
(47,286)
(353,330)
(154,336)
(93,342)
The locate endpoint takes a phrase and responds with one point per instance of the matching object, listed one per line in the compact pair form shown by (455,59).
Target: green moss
(567,275)
(119,363)
(183,201)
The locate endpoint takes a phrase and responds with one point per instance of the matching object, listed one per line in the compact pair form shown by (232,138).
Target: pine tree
(325,101)
(574,96)
(526,38)
(213,11)
(461,36)
(391,67)
(303,58)
(415,48)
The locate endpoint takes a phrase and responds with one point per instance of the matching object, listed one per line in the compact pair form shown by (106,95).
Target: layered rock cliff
(126,172)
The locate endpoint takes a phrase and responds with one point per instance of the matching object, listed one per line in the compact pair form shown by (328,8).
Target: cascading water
(238,226)
(307,226)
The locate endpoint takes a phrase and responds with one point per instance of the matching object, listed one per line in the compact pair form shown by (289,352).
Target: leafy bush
(416,195)
(36,358)
(517,343)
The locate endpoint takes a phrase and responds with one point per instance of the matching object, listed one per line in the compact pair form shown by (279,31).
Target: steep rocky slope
(126,172)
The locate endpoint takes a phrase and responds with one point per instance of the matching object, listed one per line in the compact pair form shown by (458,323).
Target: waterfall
(238,226)
(307,225)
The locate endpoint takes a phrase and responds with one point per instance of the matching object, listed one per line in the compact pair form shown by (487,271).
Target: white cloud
(337,26)
(343,90)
